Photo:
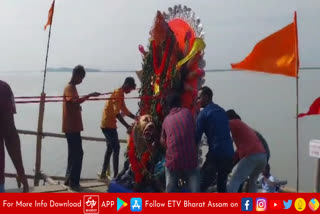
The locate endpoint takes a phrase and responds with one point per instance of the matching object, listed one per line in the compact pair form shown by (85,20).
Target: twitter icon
(287,205)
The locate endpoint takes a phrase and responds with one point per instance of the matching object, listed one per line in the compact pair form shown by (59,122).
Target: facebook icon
(246,204)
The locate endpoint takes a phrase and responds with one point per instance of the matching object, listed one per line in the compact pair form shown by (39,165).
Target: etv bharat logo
(91,204)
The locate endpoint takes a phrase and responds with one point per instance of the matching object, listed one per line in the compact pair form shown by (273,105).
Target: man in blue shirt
(214,123)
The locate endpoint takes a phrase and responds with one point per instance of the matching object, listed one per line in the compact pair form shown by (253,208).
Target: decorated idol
(173,61)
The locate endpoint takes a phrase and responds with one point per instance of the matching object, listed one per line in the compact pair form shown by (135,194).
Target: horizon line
(207,70)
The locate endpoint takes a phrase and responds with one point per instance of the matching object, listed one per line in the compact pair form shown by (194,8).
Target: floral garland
(138,166)
(158,70)
(147,85)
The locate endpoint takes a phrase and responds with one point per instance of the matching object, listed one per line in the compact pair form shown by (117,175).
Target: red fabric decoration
(159,111)
(313,110)
(189,97)
(180,28)
(138,166)
(158,70)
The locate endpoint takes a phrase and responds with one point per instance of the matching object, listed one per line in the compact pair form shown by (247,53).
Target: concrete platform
(88,186)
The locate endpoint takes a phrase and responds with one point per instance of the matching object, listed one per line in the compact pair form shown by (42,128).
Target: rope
(90,99)
(38,97)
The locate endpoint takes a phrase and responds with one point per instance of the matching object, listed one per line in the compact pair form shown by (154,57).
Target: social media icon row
(247,204)
(300,204)
(261,204)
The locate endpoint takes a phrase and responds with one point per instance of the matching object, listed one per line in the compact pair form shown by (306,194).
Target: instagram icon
(261,204)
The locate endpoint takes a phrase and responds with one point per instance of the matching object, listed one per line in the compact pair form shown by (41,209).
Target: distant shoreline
(65,69)
(93,70)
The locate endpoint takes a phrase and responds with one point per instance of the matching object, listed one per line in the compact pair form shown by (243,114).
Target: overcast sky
(105,34)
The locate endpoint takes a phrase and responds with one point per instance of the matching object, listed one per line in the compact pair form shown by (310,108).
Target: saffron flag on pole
(276,54)
(313,110)
(50,15)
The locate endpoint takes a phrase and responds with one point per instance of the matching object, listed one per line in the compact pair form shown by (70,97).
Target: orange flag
(50,15)
(276,54)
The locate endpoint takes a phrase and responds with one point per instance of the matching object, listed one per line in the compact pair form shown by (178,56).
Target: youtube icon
(275,204)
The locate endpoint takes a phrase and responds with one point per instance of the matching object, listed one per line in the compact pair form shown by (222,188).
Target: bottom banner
(158,203)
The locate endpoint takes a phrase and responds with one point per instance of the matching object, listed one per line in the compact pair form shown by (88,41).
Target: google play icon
(121,204)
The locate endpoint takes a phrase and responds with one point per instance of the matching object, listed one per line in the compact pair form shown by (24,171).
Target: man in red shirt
(250,155)
(178,138)
(9,136)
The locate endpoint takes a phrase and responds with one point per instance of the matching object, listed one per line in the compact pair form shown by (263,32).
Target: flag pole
(297,94)
(46,62)
(297,129)
(48,45)
(37,176)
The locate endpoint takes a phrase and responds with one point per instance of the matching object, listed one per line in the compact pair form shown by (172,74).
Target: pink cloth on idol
(189,97)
